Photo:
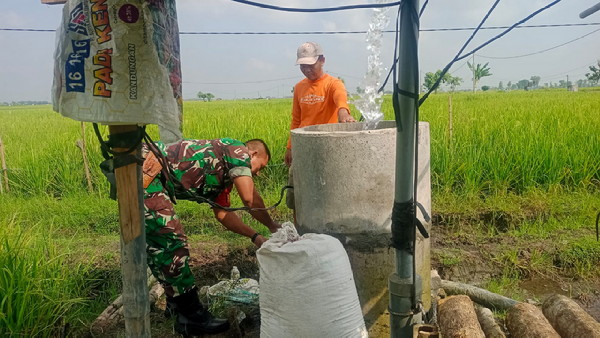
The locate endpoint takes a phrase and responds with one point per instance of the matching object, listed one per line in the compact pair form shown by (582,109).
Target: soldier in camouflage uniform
(203,169)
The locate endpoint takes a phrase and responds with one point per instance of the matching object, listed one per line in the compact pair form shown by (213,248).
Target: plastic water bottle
(235,273)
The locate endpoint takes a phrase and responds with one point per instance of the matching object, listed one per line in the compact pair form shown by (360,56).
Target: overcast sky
(247,66)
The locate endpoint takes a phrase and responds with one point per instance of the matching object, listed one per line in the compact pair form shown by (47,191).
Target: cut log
(114,312)
(457,318)
(478,295)
(527,321)
(488,323)
(569,319)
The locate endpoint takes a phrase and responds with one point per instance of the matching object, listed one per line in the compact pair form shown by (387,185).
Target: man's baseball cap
(308,53)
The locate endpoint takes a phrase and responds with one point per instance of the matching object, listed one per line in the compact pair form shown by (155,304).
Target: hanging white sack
(307,288)
(107,67)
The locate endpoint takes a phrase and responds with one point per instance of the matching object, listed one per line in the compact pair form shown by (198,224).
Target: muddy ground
(212,263)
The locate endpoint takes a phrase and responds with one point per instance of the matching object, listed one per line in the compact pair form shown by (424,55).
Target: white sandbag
(109,64)
(307,288)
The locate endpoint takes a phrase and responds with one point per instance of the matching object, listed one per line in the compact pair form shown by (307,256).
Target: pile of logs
(466,313)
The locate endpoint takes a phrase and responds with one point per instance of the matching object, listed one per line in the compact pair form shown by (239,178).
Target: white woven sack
(307,289)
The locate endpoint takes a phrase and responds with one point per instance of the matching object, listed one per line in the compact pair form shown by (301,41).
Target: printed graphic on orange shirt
(312,99)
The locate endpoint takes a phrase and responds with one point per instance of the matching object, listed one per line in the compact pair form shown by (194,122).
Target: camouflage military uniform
(205,168)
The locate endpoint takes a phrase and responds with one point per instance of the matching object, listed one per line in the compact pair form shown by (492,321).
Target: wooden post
(4,168)
(450,120)
(86,165)
(136,308)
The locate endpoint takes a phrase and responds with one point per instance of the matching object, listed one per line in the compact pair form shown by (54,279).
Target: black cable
(597,224)
(490,41)
(445,70)
(105,146)
(509,29)
(312,10)
(423,8)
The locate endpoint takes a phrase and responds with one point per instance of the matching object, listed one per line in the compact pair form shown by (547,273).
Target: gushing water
(369,102)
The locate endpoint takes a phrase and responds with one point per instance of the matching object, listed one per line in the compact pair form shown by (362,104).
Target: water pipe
(404,284)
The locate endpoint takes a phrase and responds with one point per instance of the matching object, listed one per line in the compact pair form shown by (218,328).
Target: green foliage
(432,78)
(594,75)
(479,72)
(581,256)
(205,96)
(39,293)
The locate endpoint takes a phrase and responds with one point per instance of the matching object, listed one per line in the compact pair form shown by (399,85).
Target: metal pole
(404,284)
(590,11)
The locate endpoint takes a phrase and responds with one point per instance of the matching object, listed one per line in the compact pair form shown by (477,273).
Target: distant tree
(564,84)
(523,84)
(485,88)
(479,72)
(359,90)
(432,78)
(535,81)
(453,82)
(501,85)
(205,96)
(594,75)
(509,85)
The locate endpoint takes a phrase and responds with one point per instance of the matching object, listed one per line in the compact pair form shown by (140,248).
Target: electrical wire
(423,8)
(448,29)
(312,10)
(445,70)
(490,41)
(538,52)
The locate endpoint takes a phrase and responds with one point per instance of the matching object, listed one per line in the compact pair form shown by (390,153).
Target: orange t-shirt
(317,102)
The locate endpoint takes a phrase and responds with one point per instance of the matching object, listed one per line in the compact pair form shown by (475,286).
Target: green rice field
(501,141)
(517,174)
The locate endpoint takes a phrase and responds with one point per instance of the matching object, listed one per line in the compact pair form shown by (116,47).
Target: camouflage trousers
(166,243)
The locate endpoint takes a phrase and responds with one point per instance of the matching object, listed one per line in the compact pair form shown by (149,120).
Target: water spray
(369,102)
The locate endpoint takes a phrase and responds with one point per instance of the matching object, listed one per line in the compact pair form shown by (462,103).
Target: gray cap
(308,53)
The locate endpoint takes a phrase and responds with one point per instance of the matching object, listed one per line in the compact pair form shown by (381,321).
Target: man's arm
(251,199)
(344,116)
(234,223)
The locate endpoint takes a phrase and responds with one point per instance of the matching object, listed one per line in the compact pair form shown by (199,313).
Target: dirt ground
(212,263)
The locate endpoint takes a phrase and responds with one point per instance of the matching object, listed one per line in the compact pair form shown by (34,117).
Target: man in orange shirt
(318,99)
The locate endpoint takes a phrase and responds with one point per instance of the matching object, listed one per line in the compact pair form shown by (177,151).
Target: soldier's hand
(259,241)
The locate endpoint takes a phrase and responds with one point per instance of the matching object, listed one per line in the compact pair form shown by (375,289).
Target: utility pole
(473,71)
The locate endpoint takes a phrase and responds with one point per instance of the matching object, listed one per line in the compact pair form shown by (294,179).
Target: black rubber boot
(171,308)
(193,319)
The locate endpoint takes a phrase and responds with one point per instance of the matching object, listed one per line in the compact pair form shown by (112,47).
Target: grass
(39,292)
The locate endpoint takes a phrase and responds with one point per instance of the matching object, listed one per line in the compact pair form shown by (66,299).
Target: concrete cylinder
(344,186)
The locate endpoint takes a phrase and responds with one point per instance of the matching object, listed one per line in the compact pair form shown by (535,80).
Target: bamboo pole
(4,168)
(136,309)
(450,120)
(86,165)
(478,295)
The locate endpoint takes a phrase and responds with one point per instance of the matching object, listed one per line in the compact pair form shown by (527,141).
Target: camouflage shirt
(206,167)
